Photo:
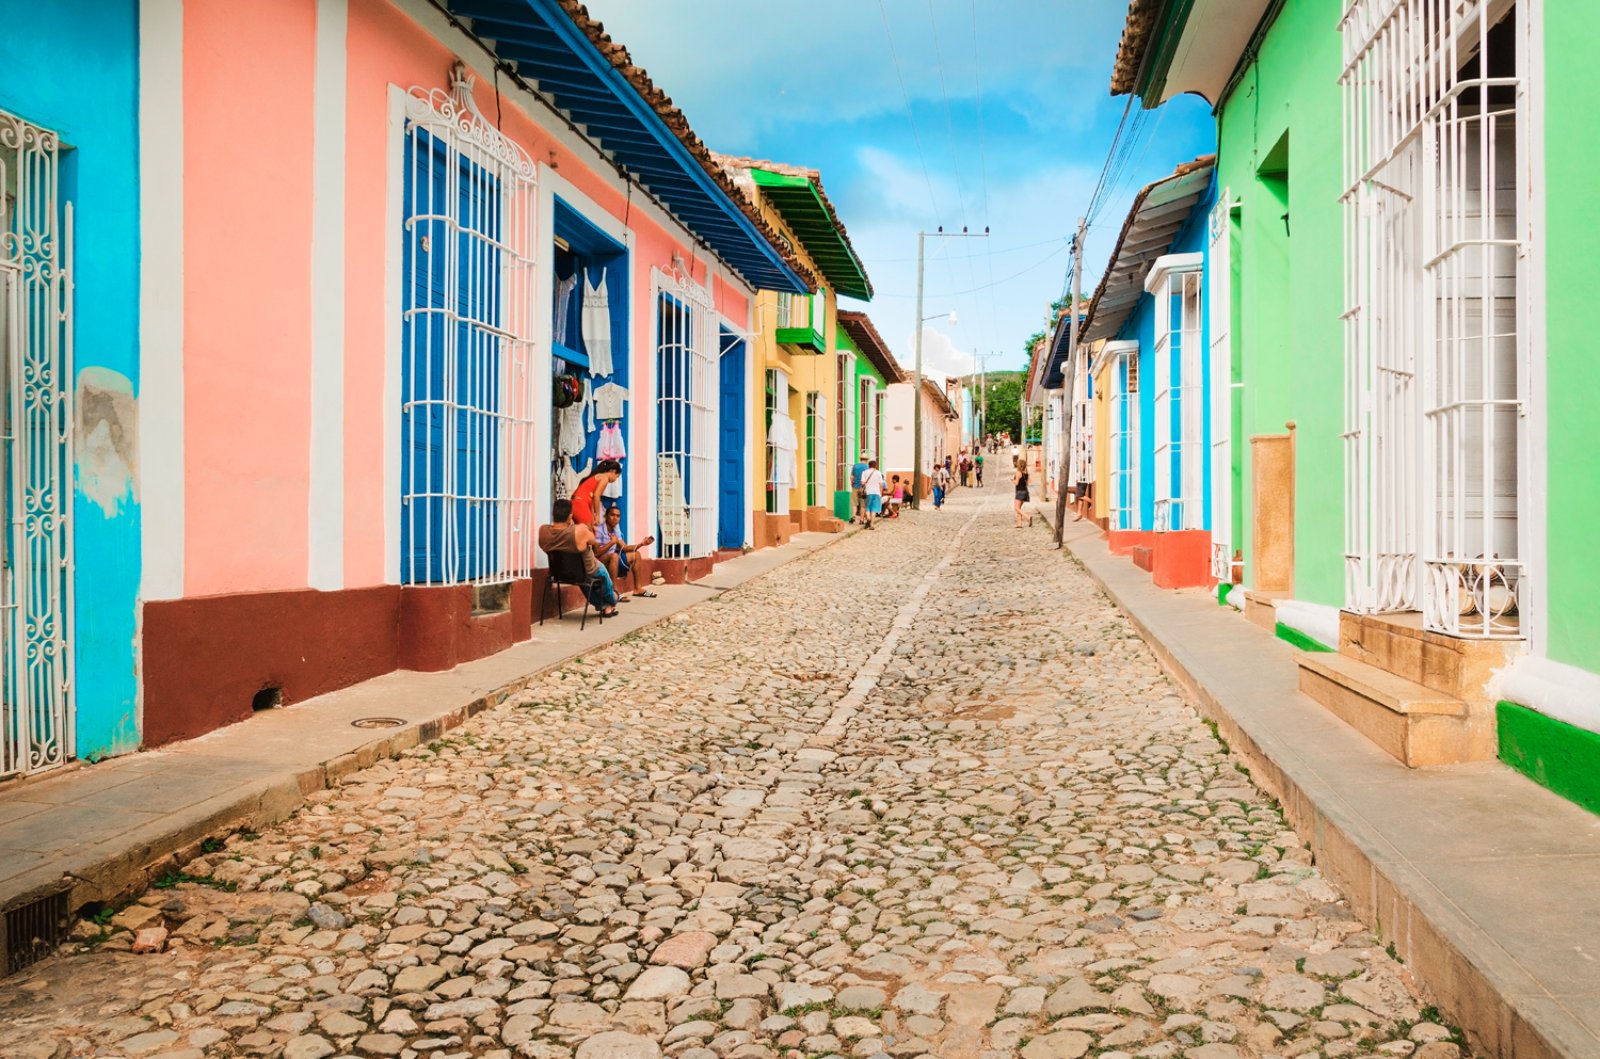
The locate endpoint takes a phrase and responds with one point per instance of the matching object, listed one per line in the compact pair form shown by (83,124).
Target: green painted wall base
(1300,639)
(1553,754)
(1223,589)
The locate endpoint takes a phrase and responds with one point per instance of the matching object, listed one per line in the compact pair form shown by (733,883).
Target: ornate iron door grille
(468,385)
(36,439)
(1436,338)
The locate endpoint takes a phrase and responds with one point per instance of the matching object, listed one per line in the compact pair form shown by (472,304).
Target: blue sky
(921,113)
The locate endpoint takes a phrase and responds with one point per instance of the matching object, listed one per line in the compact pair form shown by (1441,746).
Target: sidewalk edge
(1434,948)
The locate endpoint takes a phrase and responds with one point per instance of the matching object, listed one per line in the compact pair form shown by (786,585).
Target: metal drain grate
(376,722)
(33,931)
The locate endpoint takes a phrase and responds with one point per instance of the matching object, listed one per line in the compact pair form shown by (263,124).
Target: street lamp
(916,394)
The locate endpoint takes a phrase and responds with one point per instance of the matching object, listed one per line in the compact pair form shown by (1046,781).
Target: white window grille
(879,402)
(843,458)
(1434,256)
(1175,281)
(686,419)
(816,448)
(1081,468)
(467,385)
(868,441)
(1124,434)
(1219,277)
(36,686)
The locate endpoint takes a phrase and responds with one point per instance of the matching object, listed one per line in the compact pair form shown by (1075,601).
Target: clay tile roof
(1136,33)
(735,163)
(673,118)
(862,332)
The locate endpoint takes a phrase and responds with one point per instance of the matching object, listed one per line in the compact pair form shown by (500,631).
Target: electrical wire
(905,93)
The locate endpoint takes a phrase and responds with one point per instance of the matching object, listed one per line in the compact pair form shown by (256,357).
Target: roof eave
(608,63)
(801,200)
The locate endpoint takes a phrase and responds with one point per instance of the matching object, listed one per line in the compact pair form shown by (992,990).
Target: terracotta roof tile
(729,161)
(862,332)
(674,119)
(1136,33)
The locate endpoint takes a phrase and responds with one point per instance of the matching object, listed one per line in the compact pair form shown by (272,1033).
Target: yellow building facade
(801,392)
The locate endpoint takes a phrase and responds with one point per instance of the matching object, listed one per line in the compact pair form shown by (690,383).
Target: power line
(950,139)
(905,93)
(983,165)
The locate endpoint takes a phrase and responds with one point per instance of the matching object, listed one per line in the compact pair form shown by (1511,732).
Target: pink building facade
(394,239)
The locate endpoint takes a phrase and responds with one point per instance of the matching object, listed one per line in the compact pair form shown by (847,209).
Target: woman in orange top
(586,498)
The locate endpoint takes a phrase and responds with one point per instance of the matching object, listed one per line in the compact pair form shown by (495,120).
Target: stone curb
(1464,971)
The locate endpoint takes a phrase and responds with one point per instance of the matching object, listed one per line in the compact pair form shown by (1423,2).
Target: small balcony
(800,322)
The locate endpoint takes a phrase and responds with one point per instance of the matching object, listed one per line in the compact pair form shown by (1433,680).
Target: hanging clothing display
(606,402)
(570,436)
(564,288)
(597,325)
(781,436)
(611,446)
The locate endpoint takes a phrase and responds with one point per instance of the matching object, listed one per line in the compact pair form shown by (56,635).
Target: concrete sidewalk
(102,831)
(1485,883)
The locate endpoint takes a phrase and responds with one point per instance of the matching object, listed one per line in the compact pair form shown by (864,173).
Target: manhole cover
(377,722)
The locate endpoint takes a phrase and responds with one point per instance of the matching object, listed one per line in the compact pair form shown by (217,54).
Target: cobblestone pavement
(921,793)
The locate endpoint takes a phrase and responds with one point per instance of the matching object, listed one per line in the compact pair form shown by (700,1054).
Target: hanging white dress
(784,442)
(597,326)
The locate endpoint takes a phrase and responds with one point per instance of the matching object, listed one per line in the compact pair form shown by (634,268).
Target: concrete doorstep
(103,832)
(1484,883)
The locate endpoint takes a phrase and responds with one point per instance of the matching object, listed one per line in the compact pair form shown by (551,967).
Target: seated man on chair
(564,534)
(617,554)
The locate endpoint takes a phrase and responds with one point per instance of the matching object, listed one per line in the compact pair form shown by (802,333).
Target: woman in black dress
(1019,486)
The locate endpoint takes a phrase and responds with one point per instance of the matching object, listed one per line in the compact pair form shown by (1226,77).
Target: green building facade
(1404,234)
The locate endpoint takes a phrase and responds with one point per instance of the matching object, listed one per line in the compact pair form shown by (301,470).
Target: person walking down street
(872,486)
(564,533)
(950,474)
(1020,496)
(941,484)
(856,472)
(977,468)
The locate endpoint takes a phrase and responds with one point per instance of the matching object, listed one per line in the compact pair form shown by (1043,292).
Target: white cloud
(831,60)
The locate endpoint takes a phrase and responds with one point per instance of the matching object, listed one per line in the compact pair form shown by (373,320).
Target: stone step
(1261,608)
(1143,558)
(1416,725)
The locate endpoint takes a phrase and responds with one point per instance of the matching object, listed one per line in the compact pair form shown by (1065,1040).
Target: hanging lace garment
(564,288)
(611,446)
(597,326)
(570,436)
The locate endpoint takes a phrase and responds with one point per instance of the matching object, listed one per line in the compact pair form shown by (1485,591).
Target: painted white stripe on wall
(161,297)
(393,299)
(325,508)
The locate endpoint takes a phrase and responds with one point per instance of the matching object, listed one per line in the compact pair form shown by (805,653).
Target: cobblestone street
(924,792)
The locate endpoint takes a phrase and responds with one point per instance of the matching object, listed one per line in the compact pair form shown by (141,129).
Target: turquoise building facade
(69,76)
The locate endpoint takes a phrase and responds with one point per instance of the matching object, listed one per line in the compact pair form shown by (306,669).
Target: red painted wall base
(1182,559)
(1124,541)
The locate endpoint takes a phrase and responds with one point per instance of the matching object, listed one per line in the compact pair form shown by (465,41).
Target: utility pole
(1072,378)
(916,393)
(983,387)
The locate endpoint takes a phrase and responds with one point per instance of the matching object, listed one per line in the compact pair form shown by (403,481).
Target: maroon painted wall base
(207,659)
